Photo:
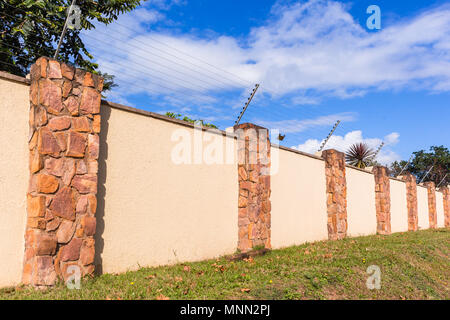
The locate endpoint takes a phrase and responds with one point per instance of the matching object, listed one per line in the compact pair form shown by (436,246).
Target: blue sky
(316,61)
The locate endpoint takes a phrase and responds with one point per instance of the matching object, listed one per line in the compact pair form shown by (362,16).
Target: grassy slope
(414,265)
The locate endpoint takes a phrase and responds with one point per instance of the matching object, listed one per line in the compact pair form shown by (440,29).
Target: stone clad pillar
(432,215)
(336,194)
(411,200)
(64,149)
(446,196)
(382,199)
(254,186)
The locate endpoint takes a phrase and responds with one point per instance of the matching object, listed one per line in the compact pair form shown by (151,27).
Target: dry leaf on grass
(245,290)
(187,268)
(162,297)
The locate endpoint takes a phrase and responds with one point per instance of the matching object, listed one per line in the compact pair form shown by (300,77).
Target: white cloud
(342,143)
(392,139)
(314,45)
(319,45)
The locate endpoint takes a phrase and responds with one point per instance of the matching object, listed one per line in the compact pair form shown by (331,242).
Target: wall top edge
(358,169)
(164,118)
(425,187)
(23,80)
(347,165)
(397,179)
(274,145)
(9,76)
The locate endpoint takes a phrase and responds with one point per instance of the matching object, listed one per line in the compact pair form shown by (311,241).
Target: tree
(438,157)
(187,119)
(396,167)
(359,155)
(31,28)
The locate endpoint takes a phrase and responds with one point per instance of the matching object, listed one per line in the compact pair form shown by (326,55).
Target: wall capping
(359,169)
(396,179)
(164,118)
(296,151)
(12,77)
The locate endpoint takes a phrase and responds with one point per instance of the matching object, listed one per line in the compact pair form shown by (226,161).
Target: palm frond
(359,155)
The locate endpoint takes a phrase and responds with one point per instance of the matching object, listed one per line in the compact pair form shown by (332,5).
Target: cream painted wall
(153,211)
(14,110)
(361,210)
(422,203)
(399,206)
(299,212)
(440,209)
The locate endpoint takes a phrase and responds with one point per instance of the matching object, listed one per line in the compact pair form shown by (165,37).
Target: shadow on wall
(99,241)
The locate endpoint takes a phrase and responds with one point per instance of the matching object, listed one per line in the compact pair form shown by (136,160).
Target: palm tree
(359,155)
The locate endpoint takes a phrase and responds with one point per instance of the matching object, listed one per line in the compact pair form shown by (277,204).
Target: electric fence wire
(314,132)
(136,83)
(139,70)
(146,45)
(108,35)
(181,103)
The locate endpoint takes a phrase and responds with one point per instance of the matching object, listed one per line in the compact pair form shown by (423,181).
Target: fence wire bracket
(246,104)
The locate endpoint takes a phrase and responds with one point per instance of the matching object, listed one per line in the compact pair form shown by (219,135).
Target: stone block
(76,145)
(46,183)
(63,205)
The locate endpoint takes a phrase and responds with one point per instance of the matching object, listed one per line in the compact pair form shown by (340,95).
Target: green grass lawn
(414,265)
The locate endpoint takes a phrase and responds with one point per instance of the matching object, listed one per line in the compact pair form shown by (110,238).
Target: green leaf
(43,24)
